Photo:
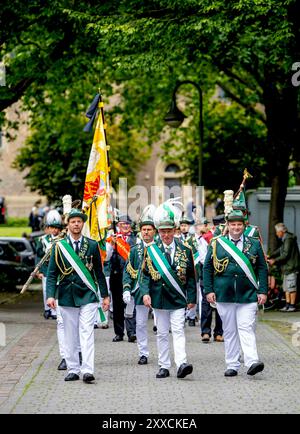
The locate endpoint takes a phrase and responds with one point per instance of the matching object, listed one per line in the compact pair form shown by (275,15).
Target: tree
(250,44)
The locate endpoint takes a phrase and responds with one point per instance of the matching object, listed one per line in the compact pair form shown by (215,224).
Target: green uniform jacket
(70,290)
(232,285)
(191,243)
(131,270)
(40,252)
(287,255)
(161,298)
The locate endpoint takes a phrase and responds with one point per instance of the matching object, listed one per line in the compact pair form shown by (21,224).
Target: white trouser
(61,333)
(79,318)
(239,332)
(46,307)
(175,318)
(142,313)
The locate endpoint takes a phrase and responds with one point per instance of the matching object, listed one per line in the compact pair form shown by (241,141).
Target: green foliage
(58,53)
(16,222)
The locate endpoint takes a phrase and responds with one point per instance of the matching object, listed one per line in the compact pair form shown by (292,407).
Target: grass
(14,231)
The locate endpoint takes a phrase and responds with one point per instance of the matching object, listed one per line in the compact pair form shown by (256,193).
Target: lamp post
(175,117)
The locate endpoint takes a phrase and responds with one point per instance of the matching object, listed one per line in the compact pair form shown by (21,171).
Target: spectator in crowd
(34,220)
(288,257)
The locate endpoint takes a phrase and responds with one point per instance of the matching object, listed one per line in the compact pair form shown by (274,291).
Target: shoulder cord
(153,273)
(66,270)
(220,265)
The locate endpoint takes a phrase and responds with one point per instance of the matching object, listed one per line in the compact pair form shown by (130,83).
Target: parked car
(2,210)
(25,249)
(12,271)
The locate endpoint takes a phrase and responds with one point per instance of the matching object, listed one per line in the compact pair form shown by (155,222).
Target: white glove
(126,297)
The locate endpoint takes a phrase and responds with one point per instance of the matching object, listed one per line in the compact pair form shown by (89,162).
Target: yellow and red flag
(96,197)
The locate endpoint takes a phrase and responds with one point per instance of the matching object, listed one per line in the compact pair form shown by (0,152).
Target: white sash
(160,265)
(251,232)
(47,244)
(88,282)
(236,256)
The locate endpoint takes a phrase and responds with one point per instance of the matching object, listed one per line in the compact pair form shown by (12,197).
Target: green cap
(240,202)
(236,215)
(77,213)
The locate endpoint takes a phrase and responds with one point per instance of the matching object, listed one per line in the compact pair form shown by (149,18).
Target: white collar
(73,241)
(240,239)
(171,246)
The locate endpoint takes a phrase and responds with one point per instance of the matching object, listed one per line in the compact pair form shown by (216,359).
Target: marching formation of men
(176,269)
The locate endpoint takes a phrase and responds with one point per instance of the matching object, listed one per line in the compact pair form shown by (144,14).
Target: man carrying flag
(75,274)
(96,198)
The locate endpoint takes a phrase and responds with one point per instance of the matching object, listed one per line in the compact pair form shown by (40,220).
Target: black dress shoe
(143,360)
(184,370)
(192,322)
(96,326)
(72,377)
(163,373)
(117,338)
(62,366)
(53,316)
(47,314)
(132,338)
(80,358)
(255,368)
(88,378)
(230,373)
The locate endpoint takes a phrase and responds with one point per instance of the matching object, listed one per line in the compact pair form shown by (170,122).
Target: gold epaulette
(220,265)
(133,273)
(153,273)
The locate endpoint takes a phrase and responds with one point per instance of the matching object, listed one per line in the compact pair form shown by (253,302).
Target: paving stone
(122,386)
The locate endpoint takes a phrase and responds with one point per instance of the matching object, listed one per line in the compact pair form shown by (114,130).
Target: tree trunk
(281,114)
(276,210)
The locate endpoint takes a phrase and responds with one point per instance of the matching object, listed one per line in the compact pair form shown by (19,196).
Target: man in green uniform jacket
(236,278)
(168,284)
(74,273)
(131,285)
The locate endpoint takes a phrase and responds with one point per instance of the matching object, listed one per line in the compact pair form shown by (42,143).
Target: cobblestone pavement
(31,383)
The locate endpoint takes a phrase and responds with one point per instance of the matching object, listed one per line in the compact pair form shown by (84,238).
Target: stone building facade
(18,198)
